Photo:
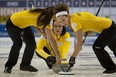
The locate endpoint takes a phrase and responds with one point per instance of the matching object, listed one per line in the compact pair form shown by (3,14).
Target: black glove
(51,60)
(72,61)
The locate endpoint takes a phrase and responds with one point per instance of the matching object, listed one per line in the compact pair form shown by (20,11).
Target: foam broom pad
(57,68)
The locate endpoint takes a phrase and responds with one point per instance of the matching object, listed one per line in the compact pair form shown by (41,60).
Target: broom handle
(99,8)
(86,33)
(68,68)
(62,67)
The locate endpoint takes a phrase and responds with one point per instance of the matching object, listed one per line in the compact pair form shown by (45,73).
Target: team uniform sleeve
(75,24)
(39,49)
(66,46)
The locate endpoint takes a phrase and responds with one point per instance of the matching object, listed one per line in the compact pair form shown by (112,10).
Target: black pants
(106,38)
(16,36)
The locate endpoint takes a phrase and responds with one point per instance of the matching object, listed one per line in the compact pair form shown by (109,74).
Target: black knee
(31,46)
(17,45)
(97,48)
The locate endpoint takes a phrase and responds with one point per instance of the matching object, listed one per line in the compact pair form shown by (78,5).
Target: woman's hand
(72,61)
(58,60)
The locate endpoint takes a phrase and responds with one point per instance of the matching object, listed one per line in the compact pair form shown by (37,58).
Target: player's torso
(60,42)
(24,19)
(89,22)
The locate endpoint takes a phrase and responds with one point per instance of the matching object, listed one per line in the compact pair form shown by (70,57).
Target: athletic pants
(16,34)
(106,38)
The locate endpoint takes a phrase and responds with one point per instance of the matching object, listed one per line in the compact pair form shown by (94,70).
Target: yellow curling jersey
(63,44)
(89,22)
(25,19)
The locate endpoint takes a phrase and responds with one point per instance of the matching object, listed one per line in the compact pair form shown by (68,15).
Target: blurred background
(7,7)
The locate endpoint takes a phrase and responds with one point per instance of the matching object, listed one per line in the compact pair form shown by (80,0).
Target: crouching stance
(44,49)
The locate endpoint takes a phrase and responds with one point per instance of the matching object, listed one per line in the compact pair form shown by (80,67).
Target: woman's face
(57,28)
(63,20)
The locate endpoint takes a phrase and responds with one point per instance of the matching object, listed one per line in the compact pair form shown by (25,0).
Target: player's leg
(112,46)
(101,42)
(29,40)
(14,33)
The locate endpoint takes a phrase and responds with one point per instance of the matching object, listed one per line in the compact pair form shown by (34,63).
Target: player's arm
(53,44)
(40,45)
(66,46)
(39,30)
(79,42)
